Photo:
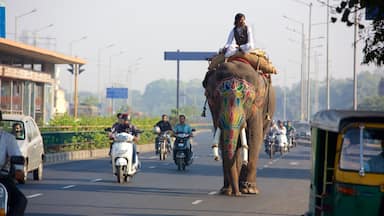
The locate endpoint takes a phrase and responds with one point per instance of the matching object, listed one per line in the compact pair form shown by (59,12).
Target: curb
(88,154)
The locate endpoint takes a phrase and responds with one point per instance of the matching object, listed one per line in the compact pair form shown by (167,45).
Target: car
(30,142)
(303,130)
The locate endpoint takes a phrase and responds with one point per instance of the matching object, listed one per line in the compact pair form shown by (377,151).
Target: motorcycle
(270,144)
(163,145)
(125,160)
(182,155)
(291,139)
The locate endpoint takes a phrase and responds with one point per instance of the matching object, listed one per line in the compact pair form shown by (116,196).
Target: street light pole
(99,69)
(302,74)
(18,17)
(309,64)
(74,41)
(39,30)
(327,61)
(355,62)
(110,74)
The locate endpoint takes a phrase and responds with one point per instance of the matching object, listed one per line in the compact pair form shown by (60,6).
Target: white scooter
(125,160)
(282,142)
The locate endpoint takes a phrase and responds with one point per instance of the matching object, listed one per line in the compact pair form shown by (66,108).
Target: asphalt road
(88,187)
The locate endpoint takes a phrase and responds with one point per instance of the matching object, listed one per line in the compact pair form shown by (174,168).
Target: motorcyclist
(182,127)
(127,127)
(113,130)
(291,130)
(164,126)
(8,147)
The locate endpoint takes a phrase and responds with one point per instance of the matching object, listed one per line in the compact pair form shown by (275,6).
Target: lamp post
(302,74)
(75,41)
(18,17)
(99,67)
(309,5)
(110,73)
(39,30)
(355,36)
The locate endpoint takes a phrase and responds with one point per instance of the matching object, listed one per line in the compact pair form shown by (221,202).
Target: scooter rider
(164,126)
(182,127)
(282,132)
(127,127)
(16,199)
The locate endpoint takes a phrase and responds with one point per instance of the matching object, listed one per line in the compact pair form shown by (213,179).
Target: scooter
(282,143)
(125,160)
(181,153)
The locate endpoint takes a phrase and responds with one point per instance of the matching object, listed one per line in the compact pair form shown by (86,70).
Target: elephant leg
(234,174)
(226,189)
(255,139)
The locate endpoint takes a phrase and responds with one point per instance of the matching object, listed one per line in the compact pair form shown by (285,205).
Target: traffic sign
(120,93)
(188,56)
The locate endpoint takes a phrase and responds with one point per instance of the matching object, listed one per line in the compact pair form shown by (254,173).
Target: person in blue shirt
(182,127)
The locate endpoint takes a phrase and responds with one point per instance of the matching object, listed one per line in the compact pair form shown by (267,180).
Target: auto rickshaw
(347,176)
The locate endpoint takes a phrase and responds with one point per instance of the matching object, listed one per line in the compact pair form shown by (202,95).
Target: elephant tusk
(215,146)
(244,146)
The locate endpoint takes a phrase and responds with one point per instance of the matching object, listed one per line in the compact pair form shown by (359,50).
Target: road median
(87,154)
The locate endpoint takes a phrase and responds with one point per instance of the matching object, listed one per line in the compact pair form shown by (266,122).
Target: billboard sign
(117,93)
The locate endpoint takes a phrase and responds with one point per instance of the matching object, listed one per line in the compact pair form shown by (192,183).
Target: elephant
(242,103)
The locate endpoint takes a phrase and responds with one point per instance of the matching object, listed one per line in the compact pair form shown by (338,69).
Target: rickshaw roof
(336,120)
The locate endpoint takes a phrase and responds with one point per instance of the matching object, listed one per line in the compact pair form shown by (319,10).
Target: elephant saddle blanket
(256,58)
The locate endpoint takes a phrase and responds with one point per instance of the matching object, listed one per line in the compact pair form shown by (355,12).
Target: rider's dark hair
(162,116)
(181,115)
(238,17)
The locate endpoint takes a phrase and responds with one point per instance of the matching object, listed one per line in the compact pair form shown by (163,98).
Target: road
(87,187)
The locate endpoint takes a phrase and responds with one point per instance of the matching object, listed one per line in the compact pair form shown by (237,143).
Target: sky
(141,31)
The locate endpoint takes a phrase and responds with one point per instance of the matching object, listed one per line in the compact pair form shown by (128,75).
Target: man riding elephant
(242,105)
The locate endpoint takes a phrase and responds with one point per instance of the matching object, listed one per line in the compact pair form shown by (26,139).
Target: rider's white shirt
(8,147)
(282,131)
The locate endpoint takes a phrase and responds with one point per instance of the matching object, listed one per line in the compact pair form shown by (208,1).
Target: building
(28,80)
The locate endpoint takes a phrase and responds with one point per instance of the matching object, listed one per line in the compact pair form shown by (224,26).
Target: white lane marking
(68,186)
(34,195)
(266,165)
(96,180)
(153,157)
(212,193)
(196,202)
(270,162)
(294,163)
(152,167)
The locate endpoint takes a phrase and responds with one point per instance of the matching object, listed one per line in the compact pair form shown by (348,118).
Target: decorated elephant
(242,103)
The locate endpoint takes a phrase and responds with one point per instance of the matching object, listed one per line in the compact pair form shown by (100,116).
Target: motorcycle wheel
(120,174)
(180,164)
(127,179)
(270,153)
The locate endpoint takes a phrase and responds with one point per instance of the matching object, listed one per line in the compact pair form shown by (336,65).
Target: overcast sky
(144,29)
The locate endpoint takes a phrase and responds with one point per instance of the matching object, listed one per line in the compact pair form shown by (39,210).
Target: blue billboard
(117,93)
(2,21)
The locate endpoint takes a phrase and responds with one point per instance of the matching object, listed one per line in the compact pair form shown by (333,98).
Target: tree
(374,40)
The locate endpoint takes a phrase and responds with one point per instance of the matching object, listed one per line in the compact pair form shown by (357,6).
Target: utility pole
(75,95)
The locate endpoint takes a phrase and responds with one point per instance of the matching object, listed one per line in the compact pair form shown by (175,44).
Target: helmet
(156,129)
(126,117)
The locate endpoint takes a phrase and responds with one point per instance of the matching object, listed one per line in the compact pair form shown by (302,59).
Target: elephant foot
(249,188)
(226,191)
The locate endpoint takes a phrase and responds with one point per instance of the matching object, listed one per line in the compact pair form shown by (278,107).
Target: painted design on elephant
(236,95)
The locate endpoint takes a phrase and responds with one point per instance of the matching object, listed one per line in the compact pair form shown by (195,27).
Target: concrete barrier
(88,154)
